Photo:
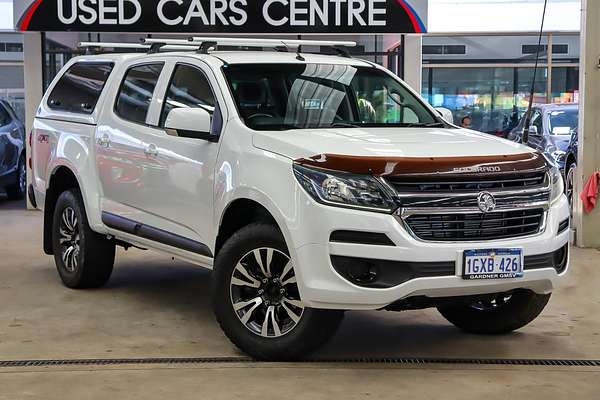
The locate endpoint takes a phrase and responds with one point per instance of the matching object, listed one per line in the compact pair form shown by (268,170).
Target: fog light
(363,272)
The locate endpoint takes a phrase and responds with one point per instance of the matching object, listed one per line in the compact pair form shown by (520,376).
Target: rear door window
(136,92)
(79,89)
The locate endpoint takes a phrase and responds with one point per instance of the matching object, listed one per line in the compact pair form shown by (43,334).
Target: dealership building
(470,61)
(475,57)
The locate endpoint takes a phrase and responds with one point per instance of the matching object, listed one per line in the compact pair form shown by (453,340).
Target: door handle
(151,150)
(104,141)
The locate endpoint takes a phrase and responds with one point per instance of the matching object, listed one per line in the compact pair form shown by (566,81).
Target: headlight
(345,190)
(557,184)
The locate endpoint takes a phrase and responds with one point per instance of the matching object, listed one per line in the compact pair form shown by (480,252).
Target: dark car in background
(13,170)
(570,163)
(552,127)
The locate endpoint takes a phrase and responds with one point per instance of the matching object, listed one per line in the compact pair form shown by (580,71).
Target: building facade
(489,78)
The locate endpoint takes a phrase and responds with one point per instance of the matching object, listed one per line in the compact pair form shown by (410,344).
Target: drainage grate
(122,361)
(236,360)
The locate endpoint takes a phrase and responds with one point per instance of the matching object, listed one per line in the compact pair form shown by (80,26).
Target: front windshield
(563,122)
(300,96)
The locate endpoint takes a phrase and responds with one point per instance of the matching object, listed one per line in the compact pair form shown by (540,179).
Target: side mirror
(445,114)
(533,130)
(194,123)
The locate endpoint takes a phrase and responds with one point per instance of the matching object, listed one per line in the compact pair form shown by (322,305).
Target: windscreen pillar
(413,61)
(34,84)
(588,225)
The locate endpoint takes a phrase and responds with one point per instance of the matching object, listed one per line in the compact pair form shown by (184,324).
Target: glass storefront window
(484,94)
(495,97)
(565,84)
(523,90)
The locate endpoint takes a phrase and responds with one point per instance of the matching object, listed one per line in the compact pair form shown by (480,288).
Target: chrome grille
(444,208)
(503,199)
(474,183)
(476,226)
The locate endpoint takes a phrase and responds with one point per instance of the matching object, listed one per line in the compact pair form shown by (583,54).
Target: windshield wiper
(429,125)
(343,125)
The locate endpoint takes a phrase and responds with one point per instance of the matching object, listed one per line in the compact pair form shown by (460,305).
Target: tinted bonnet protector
(424,166)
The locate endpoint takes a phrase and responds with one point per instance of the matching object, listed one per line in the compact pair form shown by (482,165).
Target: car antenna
(298,55)
(525,138)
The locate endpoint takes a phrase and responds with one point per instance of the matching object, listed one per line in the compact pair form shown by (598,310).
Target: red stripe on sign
(27,20)
(411,14)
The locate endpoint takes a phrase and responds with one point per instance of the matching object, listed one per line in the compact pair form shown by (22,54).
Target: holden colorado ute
(311,184)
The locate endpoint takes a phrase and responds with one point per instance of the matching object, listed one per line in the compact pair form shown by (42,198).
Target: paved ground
(157,307)
(266,382)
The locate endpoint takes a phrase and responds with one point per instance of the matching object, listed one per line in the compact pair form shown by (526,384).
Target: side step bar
(158,235)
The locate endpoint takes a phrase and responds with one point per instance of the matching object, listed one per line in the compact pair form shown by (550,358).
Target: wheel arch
(239,213)
(61,179)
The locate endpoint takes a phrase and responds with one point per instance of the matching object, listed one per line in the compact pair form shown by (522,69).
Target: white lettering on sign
(104,12)
(338,11)
(375,11)
(321,11)
(195,11)
(242,15)
(306,12)
(275,13)
(355,8)
(107,11)
(161,13)
(209,12)
(124,19)
(298,11)
(267,16)
(61,12)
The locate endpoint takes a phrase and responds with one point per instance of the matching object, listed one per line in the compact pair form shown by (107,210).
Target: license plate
(493,264)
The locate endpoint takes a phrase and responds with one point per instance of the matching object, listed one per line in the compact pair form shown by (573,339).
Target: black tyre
(84,258)
(256,299)
(498,314)
(17,190)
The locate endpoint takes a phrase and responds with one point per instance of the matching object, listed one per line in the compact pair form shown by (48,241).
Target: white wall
(6,15)
(447,16)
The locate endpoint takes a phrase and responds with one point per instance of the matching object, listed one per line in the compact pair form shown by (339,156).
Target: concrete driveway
(156,307)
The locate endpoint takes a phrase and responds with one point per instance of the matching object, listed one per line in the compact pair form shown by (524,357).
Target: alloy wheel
(69,239)
(264,293)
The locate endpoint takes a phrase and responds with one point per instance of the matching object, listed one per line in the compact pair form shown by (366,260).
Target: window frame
(124,77)
(538,113)
(435,115)
(218,108)
(101,92)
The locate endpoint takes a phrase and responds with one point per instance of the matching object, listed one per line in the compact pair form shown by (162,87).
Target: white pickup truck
(311,184)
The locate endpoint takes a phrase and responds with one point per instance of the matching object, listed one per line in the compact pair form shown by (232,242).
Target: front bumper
(321,286)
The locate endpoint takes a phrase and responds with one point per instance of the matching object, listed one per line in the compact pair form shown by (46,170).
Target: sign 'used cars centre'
(223,16)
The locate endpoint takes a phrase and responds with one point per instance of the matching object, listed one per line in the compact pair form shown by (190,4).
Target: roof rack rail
(204,44)
(251,42)
(150,47)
